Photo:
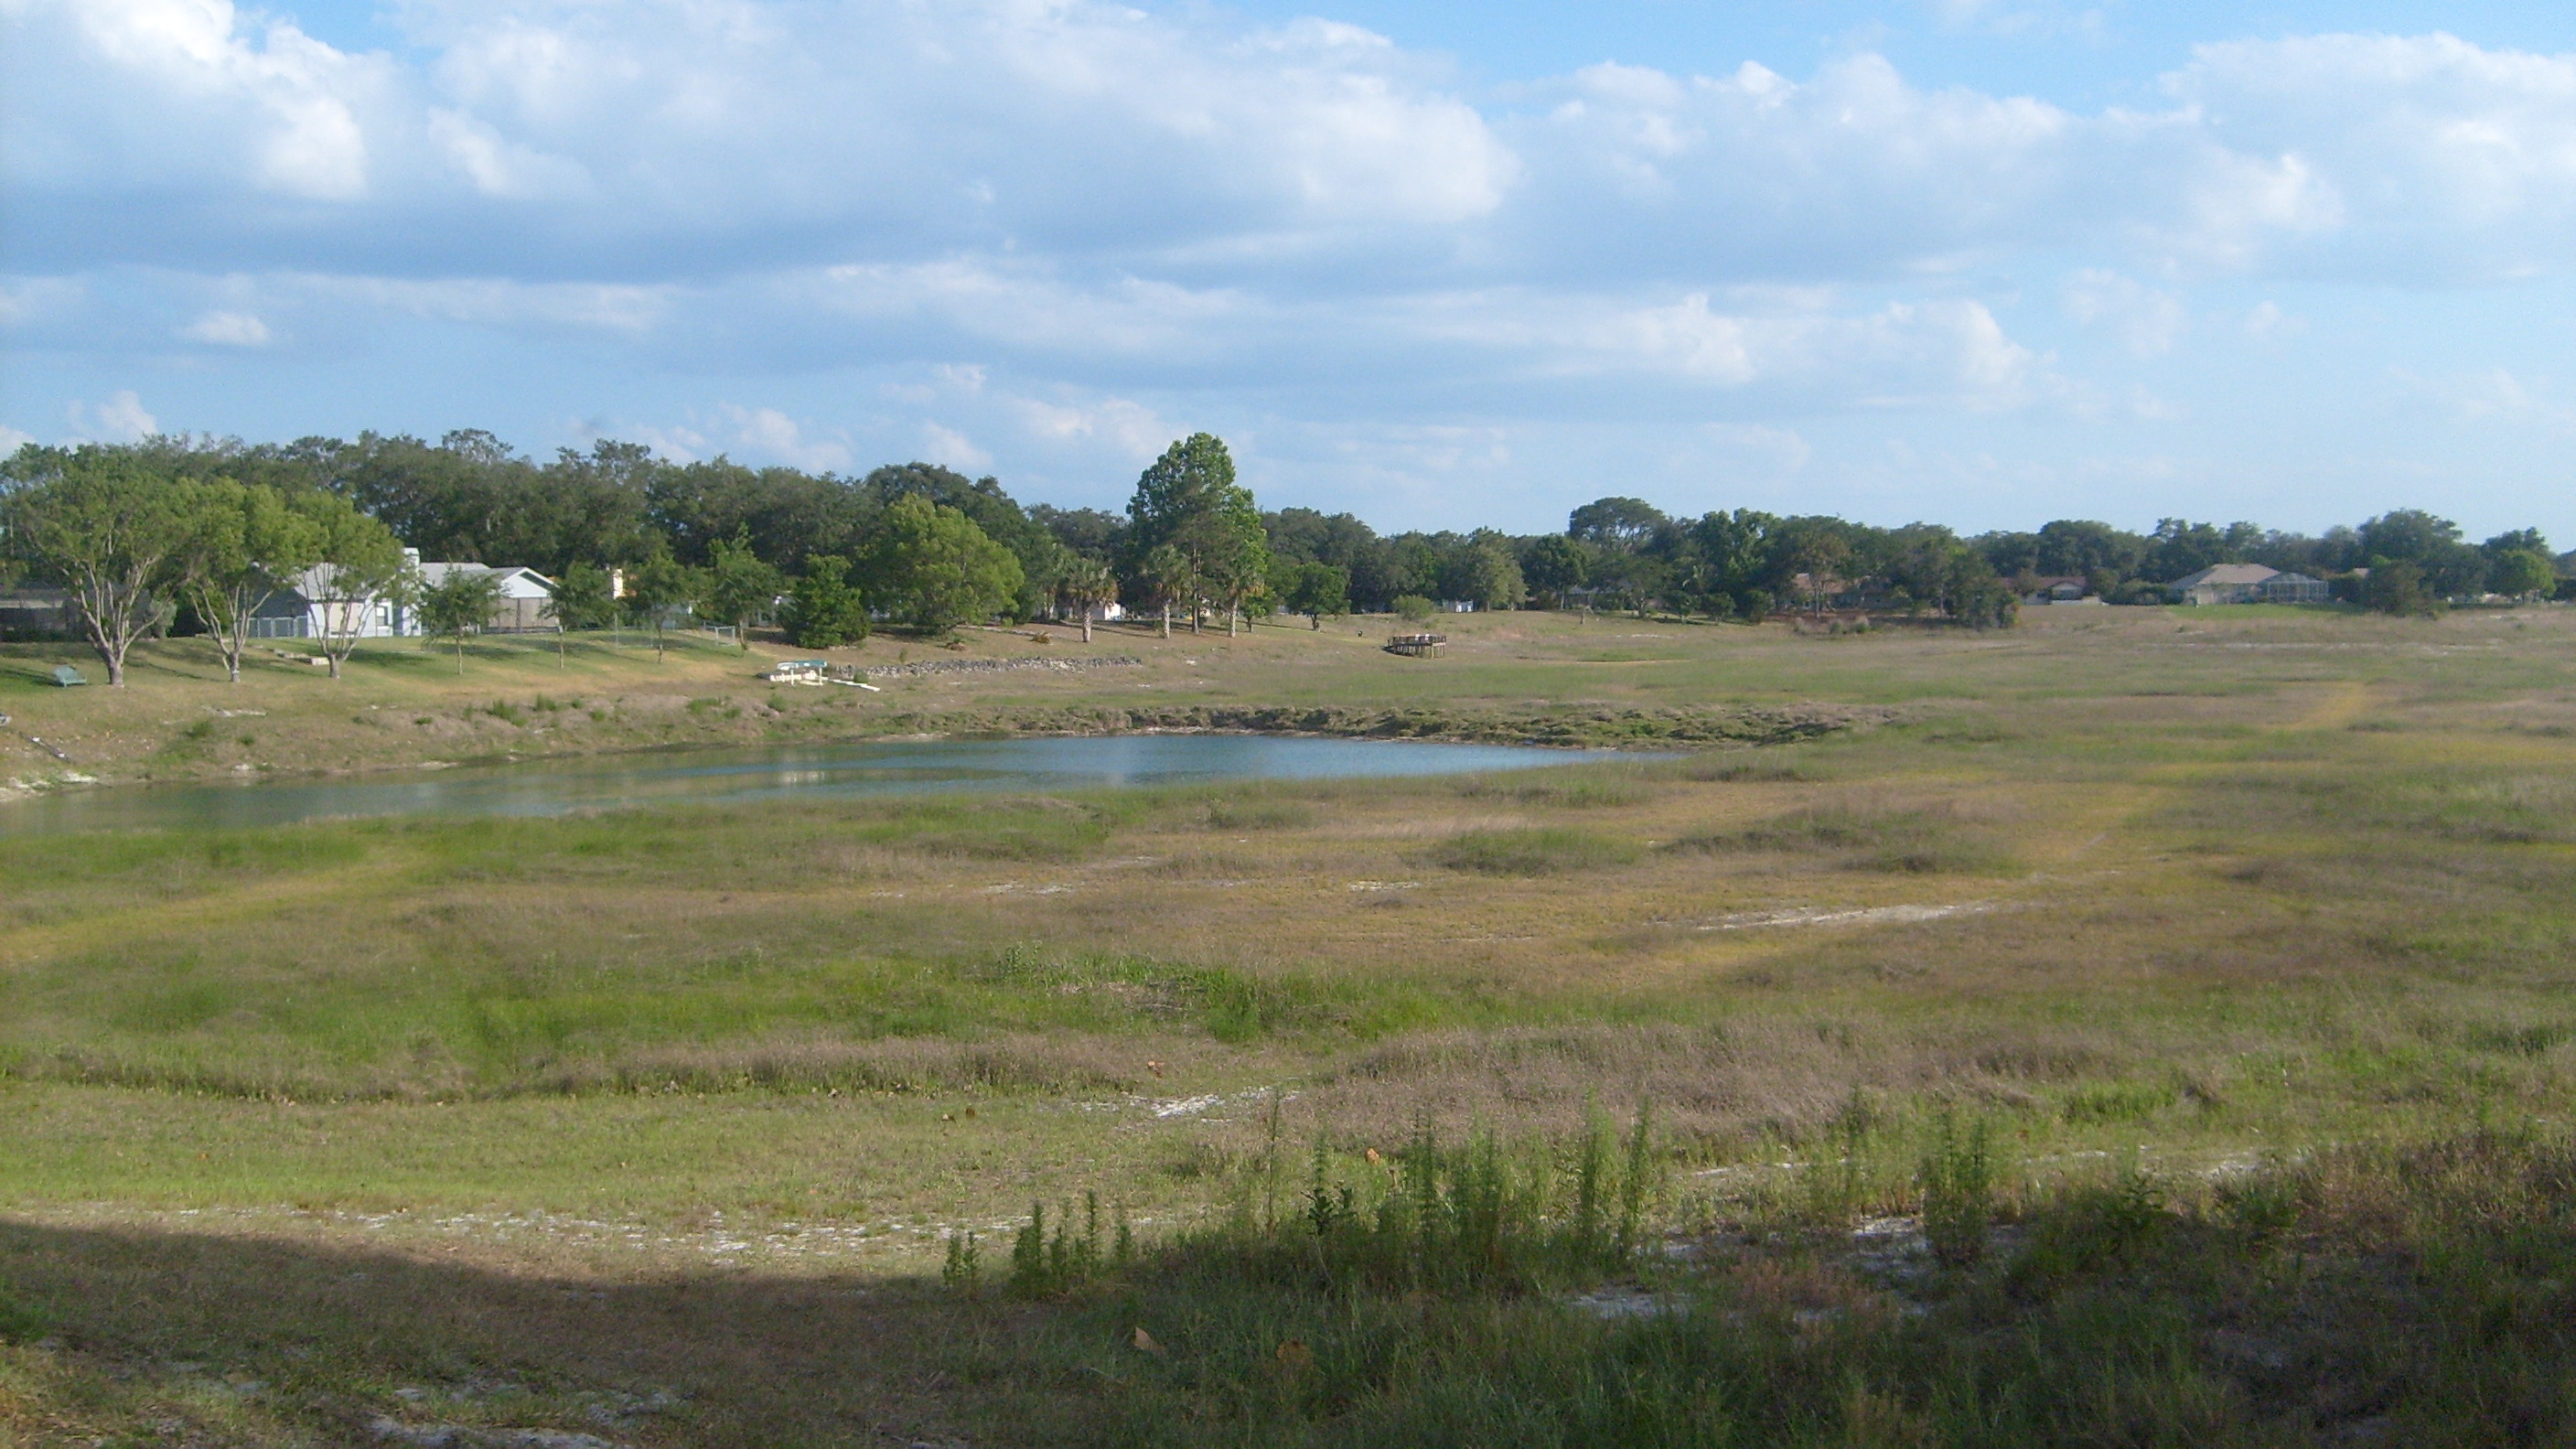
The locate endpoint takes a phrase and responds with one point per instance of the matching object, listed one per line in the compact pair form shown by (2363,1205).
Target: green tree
(458,605)
(2521,573)
(1165,575)
(1489,576)
(2400,589)
(245,546)
(1733,551)
(660,587)
(2433,545)
(581,599)
(360,579)
(1554,565)
(1230,559)
(740,588)
(112,528)
(1084,584)
(1315,590)
(1188,501)
(931,566)
(823,610)
(1625,524)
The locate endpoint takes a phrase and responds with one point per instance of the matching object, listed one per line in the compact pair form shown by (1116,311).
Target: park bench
(66,676)
(1416,645)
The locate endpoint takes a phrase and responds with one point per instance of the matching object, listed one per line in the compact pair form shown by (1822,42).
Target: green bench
(66,676)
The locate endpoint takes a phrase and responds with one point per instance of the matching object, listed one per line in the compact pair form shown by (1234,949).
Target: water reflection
(809,772)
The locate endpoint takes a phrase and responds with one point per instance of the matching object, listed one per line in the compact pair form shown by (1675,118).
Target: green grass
(2218,1043)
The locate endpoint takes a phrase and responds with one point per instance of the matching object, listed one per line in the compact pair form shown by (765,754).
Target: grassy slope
(2218,887)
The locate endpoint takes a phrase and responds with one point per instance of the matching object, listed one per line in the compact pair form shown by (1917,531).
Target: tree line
(195,533)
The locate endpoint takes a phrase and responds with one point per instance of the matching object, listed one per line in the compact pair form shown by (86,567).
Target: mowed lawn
(656,1125)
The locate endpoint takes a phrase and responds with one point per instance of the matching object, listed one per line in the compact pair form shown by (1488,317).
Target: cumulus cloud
(227,329)
(120,419)
(953,449)
(622,140)
(1120,213)
(2498,394)
(1130,428)
(2427,155)
(12,439)
(2147,321)
(770,433)
(1777,451)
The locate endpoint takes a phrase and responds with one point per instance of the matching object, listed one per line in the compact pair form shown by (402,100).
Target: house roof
(2225,574)
(516,582)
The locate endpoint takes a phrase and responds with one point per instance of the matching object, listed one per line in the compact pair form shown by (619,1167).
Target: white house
(521,608)
(311,606)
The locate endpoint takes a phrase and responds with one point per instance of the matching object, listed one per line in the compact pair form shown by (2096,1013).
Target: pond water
(817,772)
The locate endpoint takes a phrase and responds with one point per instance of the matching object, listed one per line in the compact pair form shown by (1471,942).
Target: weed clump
(1912,842)
(1532,852)
(1958,1183)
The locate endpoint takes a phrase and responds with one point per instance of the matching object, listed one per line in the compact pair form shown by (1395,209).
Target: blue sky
(1986,262)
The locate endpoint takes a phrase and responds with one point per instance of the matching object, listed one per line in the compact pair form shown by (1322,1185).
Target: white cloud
(1947,350)
(677,443)
(2443,158)
(2147,321)
(629,136)
(2266,320)
(227,329)
(120,419)
(1779,451)
(188,95)
(11,439)
(1130,428)
(493,301)
(952,449)
(2498,394)
(767,432)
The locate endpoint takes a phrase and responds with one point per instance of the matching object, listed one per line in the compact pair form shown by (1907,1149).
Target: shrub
(1958,1183)
(1915,842)
(1415,607)
(1531,852)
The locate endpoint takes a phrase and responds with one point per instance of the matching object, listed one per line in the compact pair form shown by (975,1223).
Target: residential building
(2292,589)
(521,608)
(2221,584)
(2066,589)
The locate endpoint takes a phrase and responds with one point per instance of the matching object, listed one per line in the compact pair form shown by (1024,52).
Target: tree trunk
(1167,621)
(1086,625)
(1231,614)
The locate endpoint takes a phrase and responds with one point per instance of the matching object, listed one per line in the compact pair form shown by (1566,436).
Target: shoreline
(1571,730)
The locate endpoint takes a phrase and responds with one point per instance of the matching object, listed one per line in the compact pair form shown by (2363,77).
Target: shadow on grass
(120,1332)
(2376,1295)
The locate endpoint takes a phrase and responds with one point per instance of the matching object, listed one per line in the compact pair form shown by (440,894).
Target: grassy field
(2138,1027)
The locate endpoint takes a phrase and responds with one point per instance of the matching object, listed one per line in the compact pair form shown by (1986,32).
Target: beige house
(2246,584)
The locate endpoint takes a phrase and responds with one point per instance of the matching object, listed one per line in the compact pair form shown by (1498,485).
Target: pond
(815,772)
